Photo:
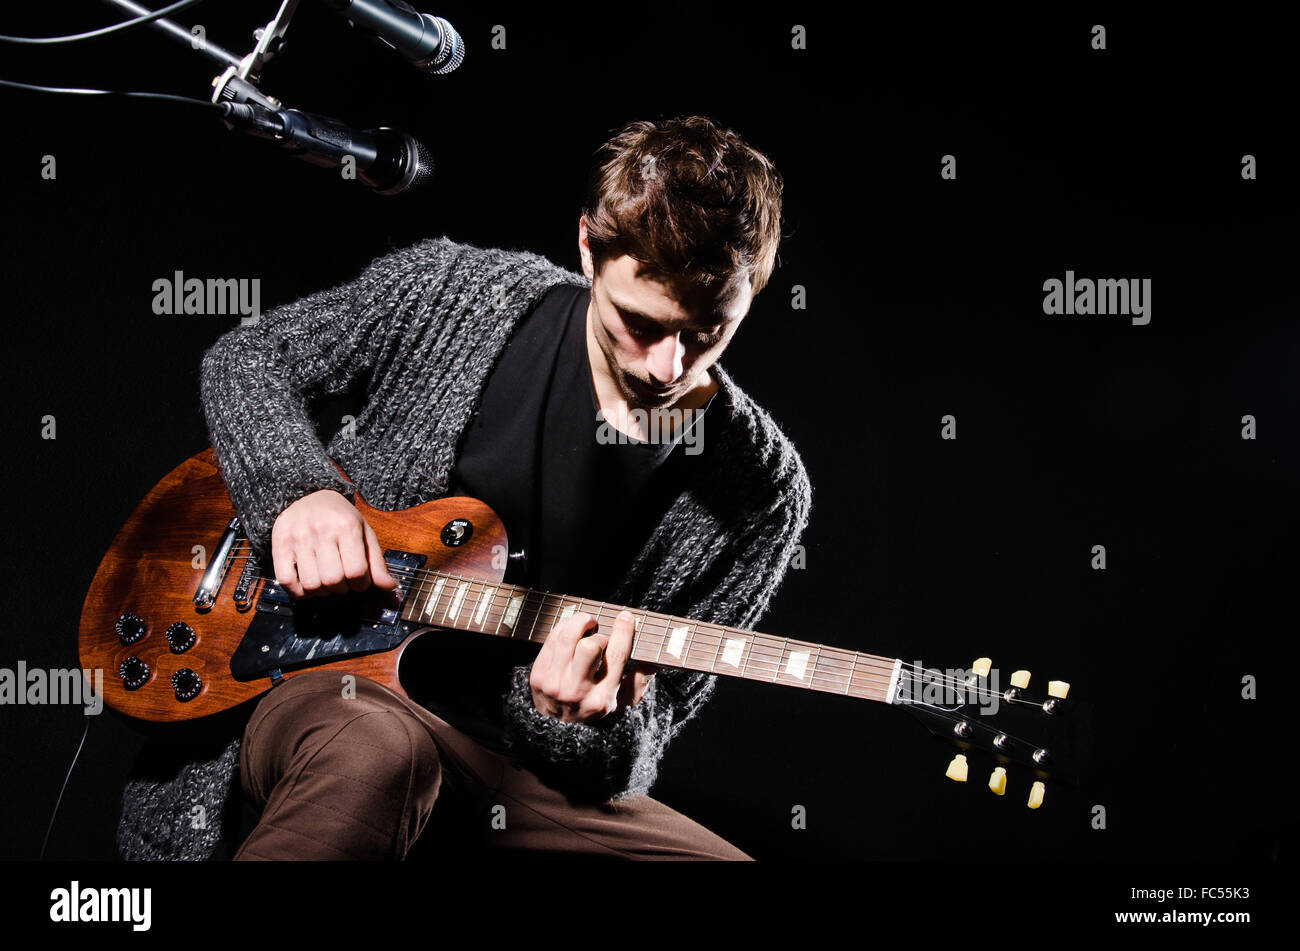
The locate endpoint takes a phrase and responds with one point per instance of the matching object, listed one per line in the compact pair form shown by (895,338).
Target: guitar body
(147,582)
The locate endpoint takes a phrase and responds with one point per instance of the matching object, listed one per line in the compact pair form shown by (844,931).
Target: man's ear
(584,250)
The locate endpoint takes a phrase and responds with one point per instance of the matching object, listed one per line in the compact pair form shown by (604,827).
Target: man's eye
(708,337)
(640,331)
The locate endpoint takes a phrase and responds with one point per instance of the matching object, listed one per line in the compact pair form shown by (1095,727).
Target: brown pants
(357,778)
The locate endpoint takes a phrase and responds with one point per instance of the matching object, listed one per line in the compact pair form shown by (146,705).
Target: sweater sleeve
(257,383)
(618,756)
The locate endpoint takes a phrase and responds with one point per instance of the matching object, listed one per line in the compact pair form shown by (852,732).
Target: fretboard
(451,601)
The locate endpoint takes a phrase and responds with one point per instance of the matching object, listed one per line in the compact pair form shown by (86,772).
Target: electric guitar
(185,623)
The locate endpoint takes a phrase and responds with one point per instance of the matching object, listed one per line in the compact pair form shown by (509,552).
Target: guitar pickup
(402,565)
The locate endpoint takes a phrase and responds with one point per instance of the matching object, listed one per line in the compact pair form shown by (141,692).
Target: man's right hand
(321,545)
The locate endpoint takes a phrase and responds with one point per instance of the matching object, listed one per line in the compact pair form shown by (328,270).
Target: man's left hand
(579,675)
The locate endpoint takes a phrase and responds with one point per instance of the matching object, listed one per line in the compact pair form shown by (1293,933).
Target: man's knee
(319,727)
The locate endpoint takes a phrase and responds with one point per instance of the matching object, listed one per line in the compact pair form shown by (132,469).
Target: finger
(329,564)
(578,678)
(566,636)
(607,691)
(587,656)
(620,645)
(304,556)
(551,666)
(378,567)
(286,574)
(356,564)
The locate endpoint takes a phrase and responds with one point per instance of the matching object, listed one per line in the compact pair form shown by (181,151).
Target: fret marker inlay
(431,605)
(483,603)
(674,648)
(456,600)
(797,664)
(512,611)
(731,653)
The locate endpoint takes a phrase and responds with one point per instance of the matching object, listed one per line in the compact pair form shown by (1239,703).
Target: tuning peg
(982,666)
(1036,795)
(1058,689)
(1020,679)
(957,769)
(998,782)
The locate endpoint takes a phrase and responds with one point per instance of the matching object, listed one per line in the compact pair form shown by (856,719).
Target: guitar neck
(440,599)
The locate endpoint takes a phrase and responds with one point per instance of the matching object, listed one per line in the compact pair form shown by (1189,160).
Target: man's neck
(616,409)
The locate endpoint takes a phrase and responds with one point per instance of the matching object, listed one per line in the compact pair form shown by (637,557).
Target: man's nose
(664,360)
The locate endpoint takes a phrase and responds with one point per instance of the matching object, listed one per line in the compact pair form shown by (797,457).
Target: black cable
(110,92)
(59,801)
(104,31)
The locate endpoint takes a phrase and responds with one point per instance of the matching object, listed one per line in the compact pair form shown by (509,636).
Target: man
(496,374)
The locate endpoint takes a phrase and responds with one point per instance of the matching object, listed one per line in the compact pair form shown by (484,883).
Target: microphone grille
(423,170)
(451,51)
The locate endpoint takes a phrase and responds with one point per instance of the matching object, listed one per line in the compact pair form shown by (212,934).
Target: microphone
(429,42)
(387,160)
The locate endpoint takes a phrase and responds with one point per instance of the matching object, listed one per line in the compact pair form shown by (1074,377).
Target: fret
(474,612)
(412,602)
(789,663)
(636,631)
(453,606)
(747,654)
(511,612)
(852,668)
(565,612)
(431,605)
(481,613)
(812,674)
(536,614)
(716,651)
(695,629)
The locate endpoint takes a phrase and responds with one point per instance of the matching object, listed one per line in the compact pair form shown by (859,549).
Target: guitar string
(876,665)
(546,613)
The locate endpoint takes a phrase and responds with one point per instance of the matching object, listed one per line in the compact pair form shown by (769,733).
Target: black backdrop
(924,299)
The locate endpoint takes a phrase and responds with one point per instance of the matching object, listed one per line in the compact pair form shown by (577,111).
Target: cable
(59,801)
(110,92)
(115,28)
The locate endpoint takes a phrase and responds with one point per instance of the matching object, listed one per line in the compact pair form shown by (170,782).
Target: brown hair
(685,198)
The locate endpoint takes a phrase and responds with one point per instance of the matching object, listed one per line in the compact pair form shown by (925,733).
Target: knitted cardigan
(420,331)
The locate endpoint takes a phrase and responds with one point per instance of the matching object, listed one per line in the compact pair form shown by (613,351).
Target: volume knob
(180,636)
(187,684)
(134,673)
(130,628)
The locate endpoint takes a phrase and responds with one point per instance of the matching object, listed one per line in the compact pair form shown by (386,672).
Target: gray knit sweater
(420,331)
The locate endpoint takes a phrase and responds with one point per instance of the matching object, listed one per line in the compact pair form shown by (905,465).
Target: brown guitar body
(150,572)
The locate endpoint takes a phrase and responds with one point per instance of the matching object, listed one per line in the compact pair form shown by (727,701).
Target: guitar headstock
(1049,736)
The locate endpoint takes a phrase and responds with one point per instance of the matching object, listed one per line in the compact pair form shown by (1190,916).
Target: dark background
(924,299)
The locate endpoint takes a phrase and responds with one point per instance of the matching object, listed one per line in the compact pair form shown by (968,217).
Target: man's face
(659,334)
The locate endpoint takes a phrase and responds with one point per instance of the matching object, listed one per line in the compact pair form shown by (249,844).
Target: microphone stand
(238,81)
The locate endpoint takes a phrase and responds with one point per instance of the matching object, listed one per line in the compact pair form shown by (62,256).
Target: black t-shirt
(578,499)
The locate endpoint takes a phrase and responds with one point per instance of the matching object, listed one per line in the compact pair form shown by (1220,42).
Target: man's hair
(685,198)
